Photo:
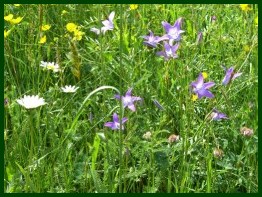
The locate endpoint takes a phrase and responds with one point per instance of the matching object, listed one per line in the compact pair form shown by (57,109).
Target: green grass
(58,148)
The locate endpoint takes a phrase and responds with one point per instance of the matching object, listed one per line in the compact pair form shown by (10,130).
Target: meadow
(130,98)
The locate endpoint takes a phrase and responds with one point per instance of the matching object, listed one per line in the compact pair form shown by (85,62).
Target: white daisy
(50,66)
(30,102)
(69,89)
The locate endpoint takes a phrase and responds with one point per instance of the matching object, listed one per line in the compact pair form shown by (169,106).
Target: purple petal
(166,26)
(129,92)
(167,46)
(174,48)
(204,93)
(111,16)
(136,98)
(117,96)
(164,37)
(178,23)
(153,45)
(106,23)
(115,117)
(161,53)
(208,85)
(95,30)
(109,124)
(124,120)
(132,107)
(236,75)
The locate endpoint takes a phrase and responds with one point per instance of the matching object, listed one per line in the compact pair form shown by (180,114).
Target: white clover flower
(30,102)
(147,135)
(50,66)
(69,89)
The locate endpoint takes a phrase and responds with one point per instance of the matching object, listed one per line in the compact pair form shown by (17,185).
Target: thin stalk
(121,107)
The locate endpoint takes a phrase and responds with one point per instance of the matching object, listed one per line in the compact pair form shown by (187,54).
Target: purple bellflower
(152,40)
(201,89)
(128,100)
(115,125)
(216,115)
(230,75)
(169,52)
(108,24)
(173,32)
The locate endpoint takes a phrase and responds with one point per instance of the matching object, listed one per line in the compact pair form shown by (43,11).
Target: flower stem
(32,138)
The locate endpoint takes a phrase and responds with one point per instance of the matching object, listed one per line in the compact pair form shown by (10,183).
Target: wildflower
(147,135)
(6,33)
(173,138)
(216,115)
(201,89)
(169,52)
(42,40)
(69,89)
(30,102)
(246,48)
(245,7)
(108,24)
(71,27)
(152,40)
(45,27)
(205,75)
(158,105)
(218,153)
(256,21)
(133,6)
(115,125)
(230,75)
(9,17)
(173,32)
(128,100)
(213,19)
(95,30)
(50,66)
(199,37)
(64,12)
(246,131)
(194,97)
(78,35)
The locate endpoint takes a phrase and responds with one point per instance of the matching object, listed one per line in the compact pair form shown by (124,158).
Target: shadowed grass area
(172,141)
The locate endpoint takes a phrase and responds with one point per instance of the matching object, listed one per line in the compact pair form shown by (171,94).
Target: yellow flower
(133,6)
(246,48)
(205,75)
(6,33)
(256,21)
(17,5)
(245,7)
(64,12)
(9,17)
(42,40)
(16,21)
(194,97)
(45,27)
(71,27)
(78,35)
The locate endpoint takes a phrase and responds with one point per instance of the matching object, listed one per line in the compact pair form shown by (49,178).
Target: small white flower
(50,66)
(69,89)
(30,102)
(147,135)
